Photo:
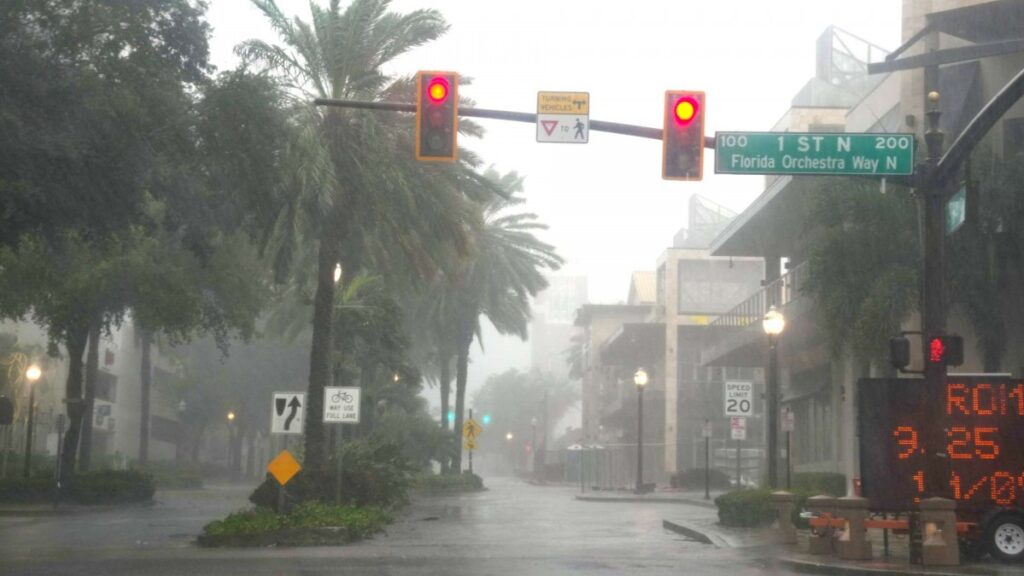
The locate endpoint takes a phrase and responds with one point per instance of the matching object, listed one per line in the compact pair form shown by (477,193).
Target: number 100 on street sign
(814,153)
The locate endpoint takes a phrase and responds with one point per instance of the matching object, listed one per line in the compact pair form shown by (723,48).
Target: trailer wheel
(1004,536)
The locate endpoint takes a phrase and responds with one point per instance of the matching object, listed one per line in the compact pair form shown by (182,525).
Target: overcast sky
(609,211)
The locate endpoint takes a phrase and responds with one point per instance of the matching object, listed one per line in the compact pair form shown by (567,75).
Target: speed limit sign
(739,398)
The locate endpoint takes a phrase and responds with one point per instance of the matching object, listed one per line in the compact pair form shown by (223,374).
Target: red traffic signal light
(947,349)
(683,136)
(437,116)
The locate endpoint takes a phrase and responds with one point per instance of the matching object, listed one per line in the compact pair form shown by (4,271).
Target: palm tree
(497,281)
(357,194)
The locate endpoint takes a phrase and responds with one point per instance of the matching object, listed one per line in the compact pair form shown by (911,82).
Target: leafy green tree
(863,264)
(514,398)
(359,197)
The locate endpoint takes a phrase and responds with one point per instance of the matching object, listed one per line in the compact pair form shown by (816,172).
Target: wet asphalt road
(513,528)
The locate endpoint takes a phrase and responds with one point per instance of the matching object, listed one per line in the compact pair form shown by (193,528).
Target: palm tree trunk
(146,386)
(461,375)
(446,380)
(76,341)
(320,354)
(92,372)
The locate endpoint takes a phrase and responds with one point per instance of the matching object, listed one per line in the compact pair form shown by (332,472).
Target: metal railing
(779,292)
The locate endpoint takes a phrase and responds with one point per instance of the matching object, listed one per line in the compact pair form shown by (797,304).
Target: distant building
(551,329)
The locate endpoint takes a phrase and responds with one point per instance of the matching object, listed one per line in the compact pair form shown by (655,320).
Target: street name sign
(814,153)
(563,117)
(341,404)
(739,399)
(287,413)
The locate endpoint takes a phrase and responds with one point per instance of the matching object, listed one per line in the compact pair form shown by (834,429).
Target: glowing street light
(33,373)
(773,323)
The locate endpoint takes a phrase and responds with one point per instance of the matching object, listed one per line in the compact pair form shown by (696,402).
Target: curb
(691,533)
(656,499)
(815,567)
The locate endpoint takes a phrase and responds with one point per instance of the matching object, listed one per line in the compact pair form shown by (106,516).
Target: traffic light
(437,116)
(682,139)
(899,352)
(946,349)
(486,419)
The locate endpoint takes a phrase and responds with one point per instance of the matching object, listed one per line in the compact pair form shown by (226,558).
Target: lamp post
(232,456)
(32,374)
(640,380)
(774,323)
(533,443)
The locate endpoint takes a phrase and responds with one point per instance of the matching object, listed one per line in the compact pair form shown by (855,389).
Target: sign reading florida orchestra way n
(827,153)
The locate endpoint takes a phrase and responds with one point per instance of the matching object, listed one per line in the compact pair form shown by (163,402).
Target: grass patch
(309,524)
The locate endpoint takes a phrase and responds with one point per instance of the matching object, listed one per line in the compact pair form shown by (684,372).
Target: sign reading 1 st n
(838,154)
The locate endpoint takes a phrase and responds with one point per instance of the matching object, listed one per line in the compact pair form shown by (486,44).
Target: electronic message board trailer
(984,421)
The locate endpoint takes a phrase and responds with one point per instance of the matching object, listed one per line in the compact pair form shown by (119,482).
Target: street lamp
(509,436)
(32,374)
(640,379)
(774,323)
(234,457)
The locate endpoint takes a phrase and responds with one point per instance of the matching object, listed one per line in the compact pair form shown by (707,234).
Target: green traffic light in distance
(487,419)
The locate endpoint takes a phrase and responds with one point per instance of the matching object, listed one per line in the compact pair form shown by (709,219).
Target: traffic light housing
(683,136)
(946,349)
(437,116)
(899,352)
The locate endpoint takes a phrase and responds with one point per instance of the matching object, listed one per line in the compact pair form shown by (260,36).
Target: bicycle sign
(341,404)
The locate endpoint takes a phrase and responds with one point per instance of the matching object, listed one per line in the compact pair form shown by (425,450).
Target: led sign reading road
(984,439)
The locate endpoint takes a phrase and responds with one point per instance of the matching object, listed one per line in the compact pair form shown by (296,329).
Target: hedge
(827,483)
(754,508)
(98,487)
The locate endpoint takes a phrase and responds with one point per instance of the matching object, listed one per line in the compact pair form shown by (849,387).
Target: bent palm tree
(497,281)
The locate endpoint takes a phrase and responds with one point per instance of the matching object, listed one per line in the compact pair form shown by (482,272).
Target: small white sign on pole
(341,404)
(739,398)
(788,421)
(738,427)
(287,413)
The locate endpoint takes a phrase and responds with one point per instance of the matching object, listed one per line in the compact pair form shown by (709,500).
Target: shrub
(373,474)
(98,487)
(754,508)
(449,483)
(828,483)
(110,487)
(310,523)
(694,478)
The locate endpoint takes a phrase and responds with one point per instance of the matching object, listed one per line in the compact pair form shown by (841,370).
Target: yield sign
(549,125)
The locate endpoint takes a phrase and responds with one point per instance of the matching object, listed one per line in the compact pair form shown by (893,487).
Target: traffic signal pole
(525,117)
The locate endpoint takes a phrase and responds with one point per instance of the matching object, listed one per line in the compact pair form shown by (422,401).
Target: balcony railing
(780,292)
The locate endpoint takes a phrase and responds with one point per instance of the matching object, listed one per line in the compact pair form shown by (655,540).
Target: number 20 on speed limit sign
(739,398)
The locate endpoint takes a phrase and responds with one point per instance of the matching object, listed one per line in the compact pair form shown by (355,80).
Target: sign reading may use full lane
(826,153)
(341,404)
(563,117)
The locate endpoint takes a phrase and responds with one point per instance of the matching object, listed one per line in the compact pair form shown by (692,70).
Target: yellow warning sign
(469,444)
(563,103)
(284,467)
(470,430)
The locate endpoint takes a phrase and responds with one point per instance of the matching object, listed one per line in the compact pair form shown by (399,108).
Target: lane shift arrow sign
(294,405)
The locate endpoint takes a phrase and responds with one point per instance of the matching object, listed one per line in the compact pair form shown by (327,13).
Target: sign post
(788,425)
(341,406)
(738,427)
(563,117)
(826,153)
(283,468)
(706,433)
(470,432)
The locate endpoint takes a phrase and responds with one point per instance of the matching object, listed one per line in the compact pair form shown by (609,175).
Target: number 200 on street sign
(739,398)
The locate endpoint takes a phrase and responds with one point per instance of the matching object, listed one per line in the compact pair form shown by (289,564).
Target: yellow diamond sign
(284,467)
(469,444)
(470,430)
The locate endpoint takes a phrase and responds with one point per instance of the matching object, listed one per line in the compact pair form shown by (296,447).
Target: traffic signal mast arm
(525,117)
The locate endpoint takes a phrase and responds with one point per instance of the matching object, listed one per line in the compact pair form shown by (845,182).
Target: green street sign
(956,211)
(825,153)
